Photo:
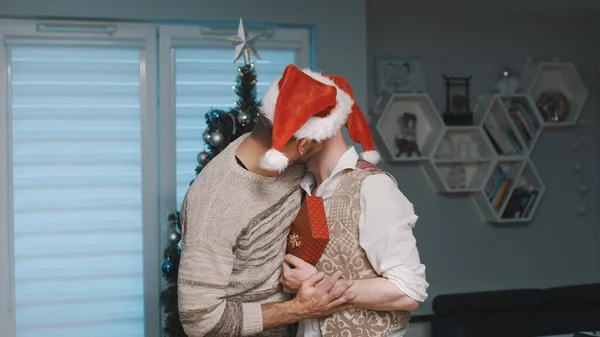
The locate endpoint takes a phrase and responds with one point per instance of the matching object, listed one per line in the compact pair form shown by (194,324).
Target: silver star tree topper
(244,44)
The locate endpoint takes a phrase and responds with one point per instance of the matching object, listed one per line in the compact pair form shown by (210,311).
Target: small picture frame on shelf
(399,74)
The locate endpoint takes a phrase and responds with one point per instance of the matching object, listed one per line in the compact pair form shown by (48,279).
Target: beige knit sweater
(235,225)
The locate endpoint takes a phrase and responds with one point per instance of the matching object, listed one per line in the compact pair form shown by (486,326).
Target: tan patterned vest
(343,253)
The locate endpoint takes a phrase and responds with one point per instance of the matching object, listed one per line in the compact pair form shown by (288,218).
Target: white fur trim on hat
(316,128)
(274,161)
(372,157)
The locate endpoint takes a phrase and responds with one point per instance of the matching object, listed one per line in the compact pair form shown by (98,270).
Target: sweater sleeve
(205,268)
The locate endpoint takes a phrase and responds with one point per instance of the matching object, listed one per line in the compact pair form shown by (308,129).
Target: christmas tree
(223,127)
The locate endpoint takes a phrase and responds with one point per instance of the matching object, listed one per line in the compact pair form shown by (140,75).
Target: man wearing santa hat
(237,213)
(370,226)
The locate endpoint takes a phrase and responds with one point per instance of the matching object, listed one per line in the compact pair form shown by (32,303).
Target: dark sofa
(518,313)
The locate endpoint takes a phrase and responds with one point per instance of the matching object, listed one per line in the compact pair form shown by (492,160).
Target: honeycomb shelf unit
(490,161)
(459,149)
(511,194)
(563,77)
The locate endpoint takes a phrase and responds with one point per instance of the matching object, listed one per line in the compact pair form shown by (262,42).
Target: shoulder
(379,186)
(381,180)
(382,186)
(374,175)
(368,167)
(387,203)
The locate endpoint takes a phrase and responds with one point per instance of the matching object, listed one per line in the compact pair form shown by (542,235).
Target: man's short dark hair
(263,130)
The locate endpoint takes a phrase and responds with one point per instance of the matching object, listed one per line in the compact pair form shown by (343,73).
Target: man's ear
(304,146)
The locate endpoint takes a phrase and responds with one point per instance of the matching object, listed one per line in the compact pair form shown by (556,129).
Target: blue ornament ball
(215,115)
(166,268)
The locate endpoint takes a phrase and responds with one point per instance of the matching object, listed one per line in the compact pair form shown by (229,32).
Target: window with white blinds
(79,133)
(204,79)
(77,196)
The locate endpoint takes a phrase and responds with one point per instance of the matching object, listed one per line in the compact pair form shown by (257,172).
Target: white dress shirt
(385,232)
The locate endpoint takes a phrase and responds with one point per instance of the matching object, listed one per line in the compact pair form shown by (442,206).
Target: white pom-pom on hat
(274,160)
(372,157)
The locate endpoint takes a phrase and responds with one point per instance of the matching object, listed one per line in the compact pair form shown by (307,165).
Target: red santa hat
(306,104)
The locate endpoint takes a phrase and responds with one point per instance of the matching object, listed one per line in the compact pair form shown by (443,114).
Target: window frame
(98,34)
(174,36)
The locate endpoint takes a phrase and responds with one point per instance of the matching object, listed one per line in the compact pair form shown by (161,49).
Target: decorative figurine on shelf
(508,84)
(457,177)
(554,106)
(458,104)
(406,140)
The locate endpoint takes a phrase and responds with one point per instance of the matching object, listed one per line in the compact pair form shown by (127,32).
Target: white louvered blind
(204,78)
(77,196)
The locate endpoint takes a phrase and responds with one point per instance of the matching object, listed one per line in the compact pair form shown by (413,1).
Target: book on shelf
(528,114)
(497,187)
(492,184)
(502,191)
(524,118)
(512,139)
(521,202)
(520,123)
(503,139)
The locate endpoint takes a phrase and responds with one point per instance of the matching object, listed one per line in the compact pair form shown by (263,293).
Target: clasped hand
(295,271)
(316,295)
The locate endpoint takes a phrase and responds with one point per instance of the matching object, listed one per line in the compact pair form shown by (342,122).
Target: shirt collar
(347,162)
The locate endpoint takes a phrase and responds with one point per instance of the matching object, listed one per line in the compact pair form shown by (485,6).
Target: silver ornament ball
(174,238)
(216,138)
(583,189)
(203,158)
(206,136)
(577,166)
(243,118)
(581,210)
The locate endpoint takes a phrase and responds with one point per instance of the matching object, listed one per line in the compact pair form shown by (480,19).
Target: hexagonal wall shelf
(501,131)
(551,77)
(525,197)
(398,109)
(462,144)
(491,199)
(461,160)
(525,118)
(511,194)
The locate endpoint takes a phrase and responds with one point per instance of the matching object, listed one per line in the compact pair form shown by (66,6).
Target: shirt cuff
(252,321)
(416,293)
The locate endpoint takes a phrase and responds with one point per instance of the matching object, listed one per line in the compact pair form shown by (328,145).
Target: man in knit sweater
(237,214)
(374,247)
